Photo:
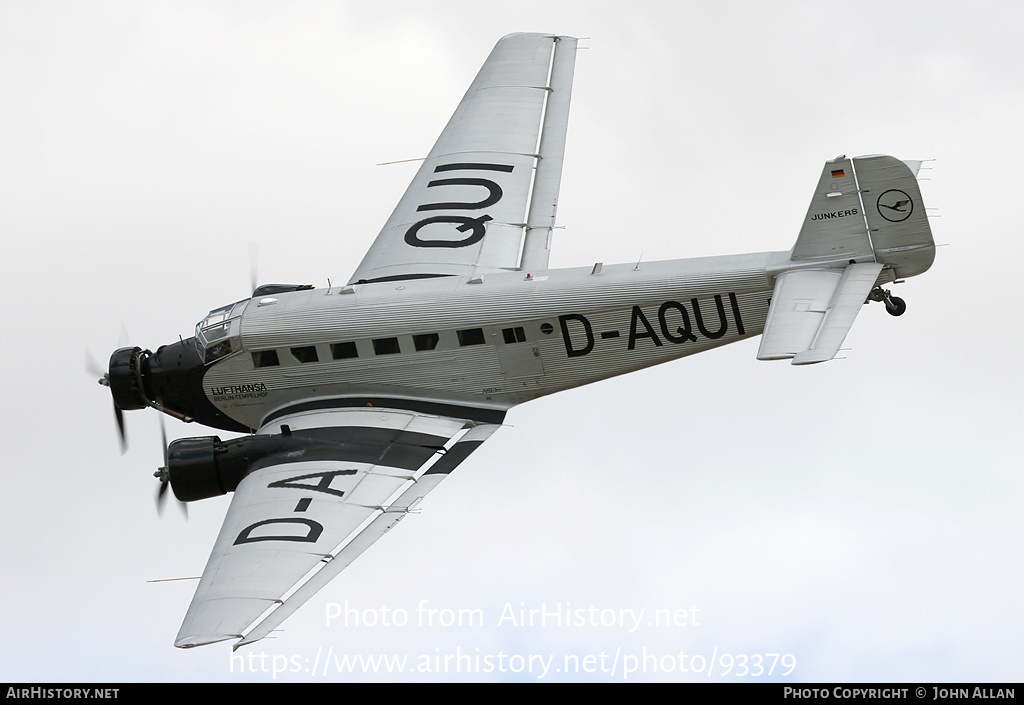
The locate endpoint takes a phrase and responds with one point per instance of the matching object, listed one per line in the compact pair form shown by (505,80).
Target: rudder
(868,209)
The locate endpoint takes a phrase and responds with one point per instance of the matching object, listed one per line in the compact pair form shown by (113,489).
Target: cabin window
(385,346)
(514,335)
(471,336)
(340,351)
(426,341)
(265,358)
(305,354)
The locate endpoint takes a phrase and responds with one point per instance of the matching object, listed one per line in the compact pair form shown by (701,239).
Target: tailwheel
(894,305)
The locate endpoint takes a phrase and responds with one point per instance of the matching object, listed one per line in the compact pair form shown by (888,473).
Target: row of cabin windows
(385,346)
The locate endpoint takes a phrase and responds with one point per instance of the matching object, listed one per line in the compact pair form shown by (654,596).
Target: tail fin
(868,209)
(866,225)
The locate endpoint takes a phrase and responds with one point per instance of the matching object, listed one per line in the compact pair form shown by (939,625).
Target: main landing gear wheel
(894,305)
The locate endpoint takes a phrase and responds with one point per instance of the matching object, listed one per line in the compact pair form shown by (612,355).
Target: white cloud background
(864,515)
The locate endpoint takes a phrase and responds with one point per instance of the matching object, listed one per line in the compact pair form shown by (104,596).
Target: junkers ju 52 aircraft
(356,401)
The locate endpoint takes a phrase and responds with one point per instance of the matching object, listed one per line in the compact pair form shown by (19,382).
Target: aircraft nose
(173,377)
(139,378)
(169,380)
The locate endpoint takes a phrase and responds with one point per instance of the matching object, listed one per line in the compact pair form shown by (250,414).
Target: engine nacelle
(199,468)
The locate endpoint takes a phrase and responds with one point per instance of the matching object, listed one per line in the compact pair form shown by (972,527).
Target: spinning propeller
(103,377)
(124,379)
(164,475)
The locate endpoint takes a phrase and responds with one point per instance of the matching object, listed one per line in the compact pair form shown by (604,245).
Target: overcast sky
(864,516)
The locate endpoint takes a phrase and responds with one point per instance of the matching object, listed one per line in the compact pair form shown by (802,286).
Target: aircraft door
(520,359)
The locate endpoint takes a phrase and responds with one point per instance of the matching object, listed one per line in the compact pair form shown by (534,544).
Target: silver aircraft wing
(300,517)
(492,175)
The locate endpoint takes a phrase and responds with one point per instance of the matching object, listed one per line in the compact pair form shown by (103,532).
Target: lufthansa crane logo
(895,205)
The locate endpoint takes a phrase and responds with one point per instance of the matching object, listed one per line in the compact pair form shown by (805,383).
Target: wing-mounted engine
(271,289)
(204,467)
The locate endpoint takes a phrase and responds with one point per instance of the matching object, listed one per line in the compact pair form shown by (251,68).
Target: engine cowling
(125,378)
(195,471)
(204,467)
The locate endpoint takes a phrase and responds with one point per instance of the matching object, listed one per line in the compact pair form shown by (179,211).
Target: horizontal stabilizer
(813,310)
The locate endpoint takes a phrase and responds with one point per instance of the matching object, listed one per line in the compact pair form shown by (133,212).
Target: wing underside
(298,519)
(465,211)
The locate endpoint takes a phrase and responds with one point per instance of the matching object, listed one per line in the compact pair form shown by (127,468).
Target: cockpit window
(215,351)
(219,334)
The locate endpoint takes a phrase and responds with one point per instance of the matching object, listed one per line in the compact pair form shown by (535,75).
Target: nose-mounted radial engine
(139,378)
(170,380)
(124,378)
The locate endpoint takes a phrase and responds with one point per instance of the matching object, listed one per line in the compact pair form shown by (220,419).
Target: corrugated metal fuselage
(487,344)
